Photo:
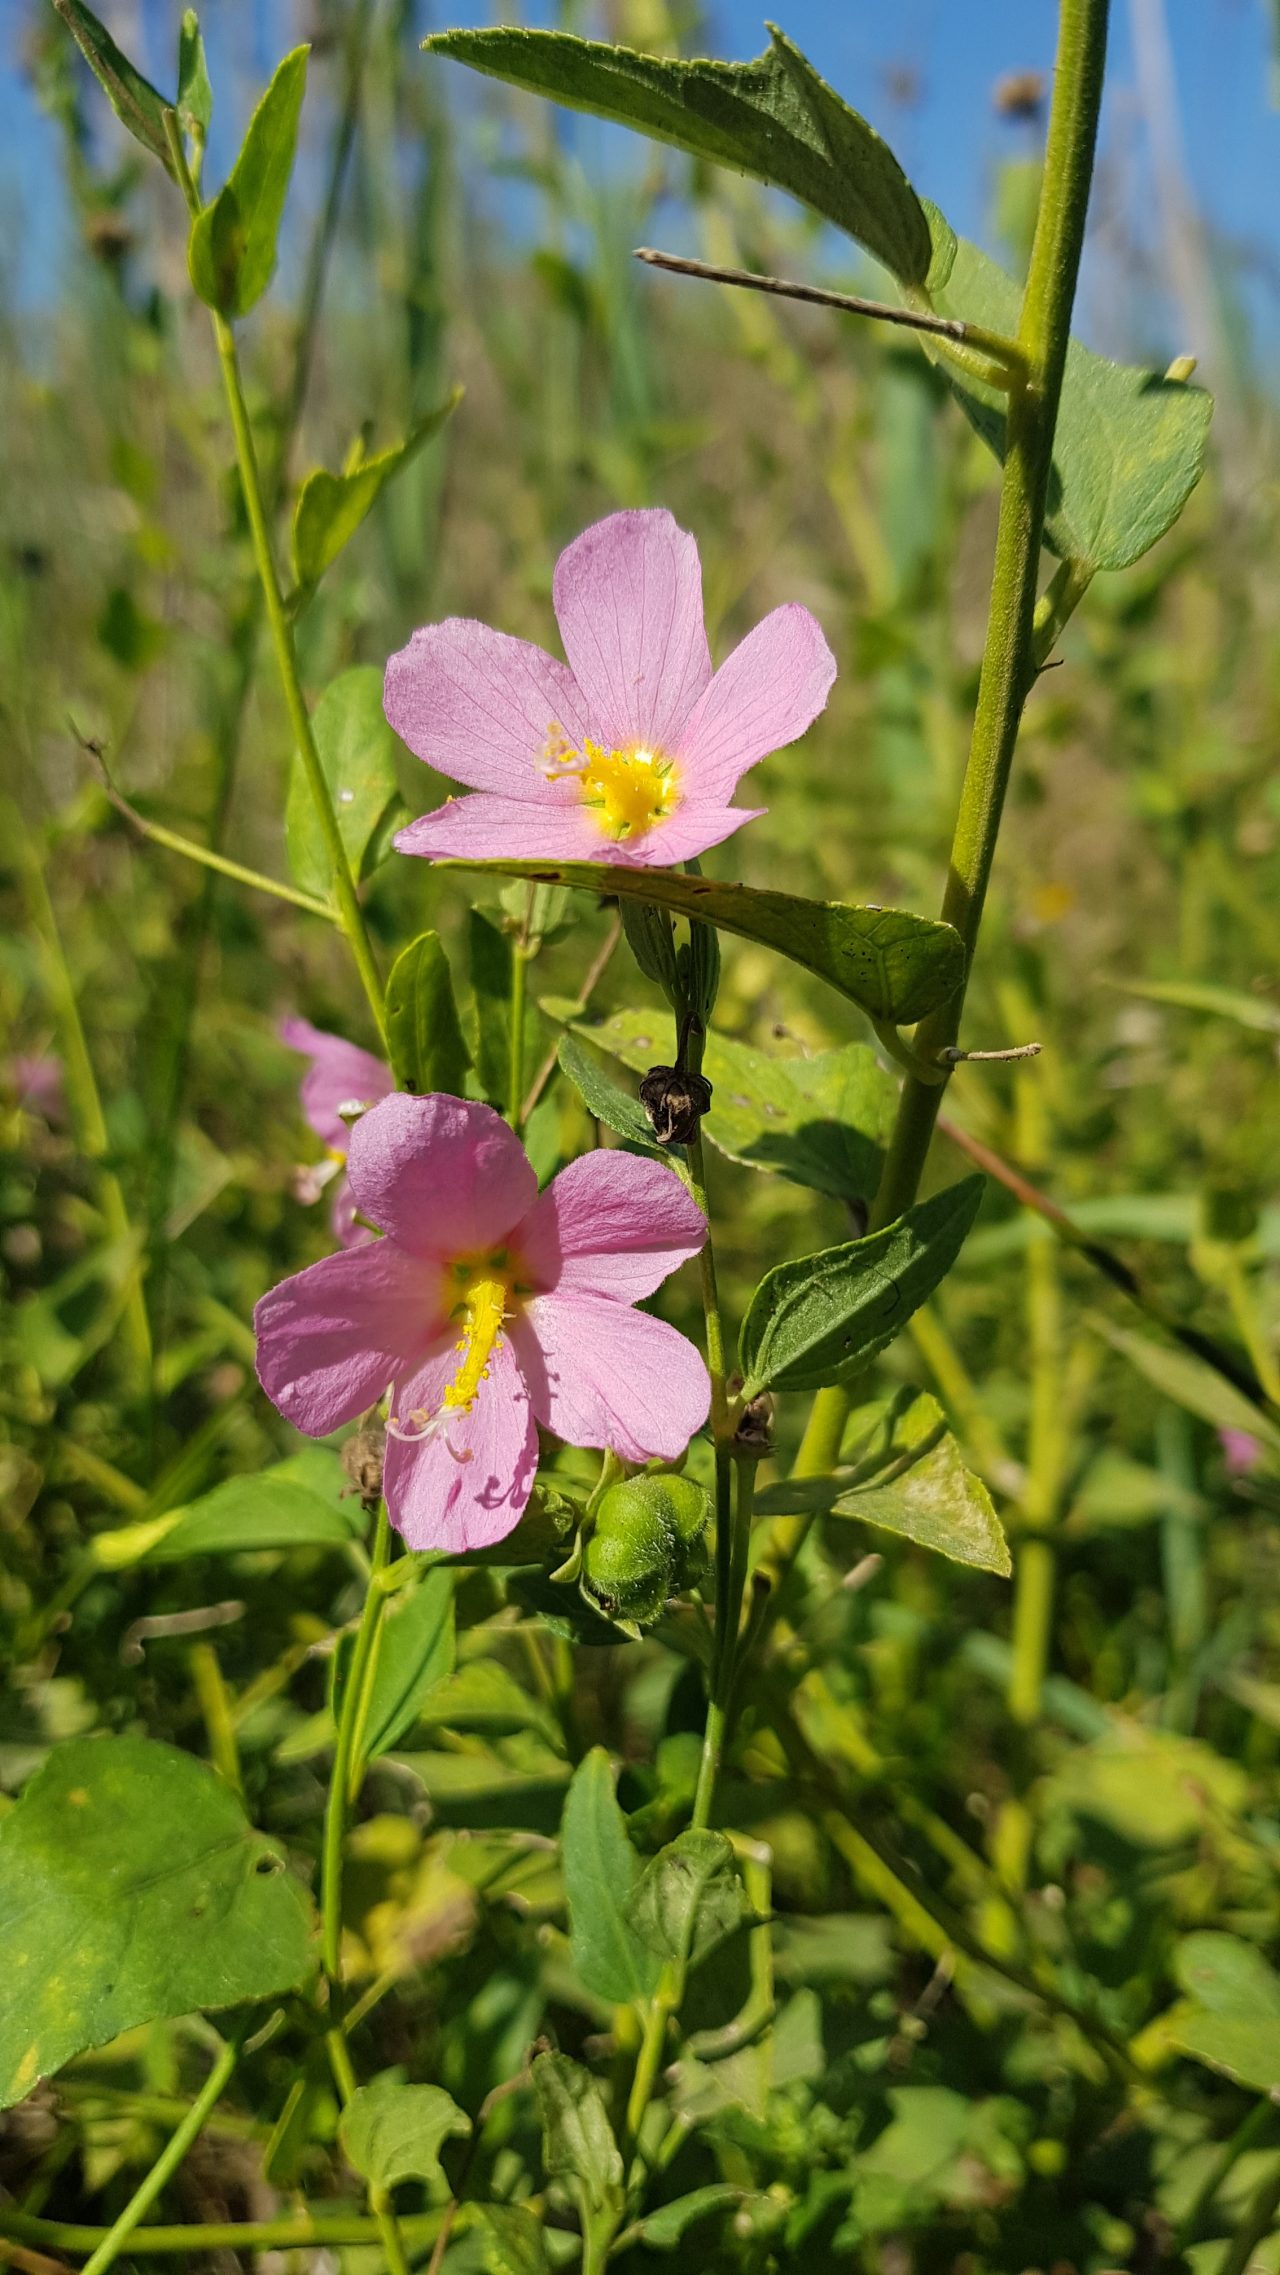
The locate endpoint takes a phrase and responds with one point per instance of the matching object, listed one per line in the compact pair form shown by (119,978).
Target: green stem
(350,913)
(343,1781)
(515,1062)
(1032,1618)
(170,2157)
(292,2232)
(1009,662)
(1246,2133)
(191,850)
(1256,2225)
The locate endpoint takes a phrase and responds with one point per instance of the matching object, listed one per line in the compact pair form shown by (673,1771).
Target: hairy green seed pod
(628,1561)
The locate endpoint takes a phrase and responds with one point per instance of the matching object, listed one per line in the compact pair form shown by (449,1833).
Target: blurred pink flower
(631,753)
(40,1086)
(340,1074)
(1240,1451)
(486,1309)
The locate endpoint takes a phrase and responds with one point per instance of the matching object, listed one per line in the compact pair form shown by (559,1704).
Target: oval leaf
(415,1651)
(913,1481)
(604,1101)
(894,966)
(424,1034)
(231,254)
(688,1898)
(391,2131)
(578,2146)
(358,754)
(1129,445)
(773,118)
(601,1873)
(820,1319)
(133,1887)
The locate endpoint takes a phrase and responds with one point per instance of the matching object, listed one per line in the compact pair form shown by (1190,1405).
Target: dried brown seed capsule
(754,1433)
(675,1103)
(362,1458)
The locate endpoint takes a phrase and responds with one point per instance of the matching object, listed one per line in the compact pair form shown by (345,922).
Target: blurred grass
(815,462)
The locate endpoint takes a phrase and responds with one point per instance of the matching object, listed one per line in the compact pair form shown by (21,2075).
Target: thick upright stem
(1009,660)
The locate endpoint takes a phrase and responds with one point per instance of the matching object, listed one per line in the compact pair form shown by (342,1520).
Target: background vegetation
(1012,1889)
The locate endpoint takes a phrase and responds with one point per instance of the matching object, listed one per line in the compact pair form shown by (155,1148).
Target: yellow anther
(484,1307)
(628,790)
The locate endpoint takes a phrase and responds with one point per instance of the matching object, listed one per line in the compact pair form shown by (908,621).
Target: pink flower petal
(768,692)
(339,1072)
(611,1224)
(443,1176)
(342,1218)
(466,1485)
(331,1338)
(628,600)
(480,706)
(482,828)
(600,1374)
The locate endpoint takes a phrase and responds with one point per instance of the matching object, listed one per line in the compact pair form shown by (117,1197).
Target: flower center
(482,1305)
(628,790)
(483,1309)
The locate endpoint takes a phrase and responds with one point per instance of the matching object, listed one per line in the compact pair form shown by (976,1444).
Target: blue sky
(947,137)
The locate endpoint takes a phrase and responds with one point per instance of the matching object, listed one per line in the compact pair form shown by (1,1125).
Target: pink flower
(39,1085)
(1240,1452)
(339,1075)
(488,1308)
(632,753)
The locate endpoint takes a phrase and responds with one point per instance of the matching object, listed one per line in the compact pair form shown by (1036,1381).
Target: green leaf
(484,1695)
(773,118)
(331,507)
(688,1898)
(138,105)
(358,755)
(662,2230)
(578,2146)
(910,1479)
(1248,2051)
(283,1507)
(391,2131)
(510,2239)
(896,967)
(195,93)
(1253,1011)
(601,1874)
(415,1651)
(1129,446)
(1190,1382)
(424,1034)
(133,1887)
(821,1121)
(617,1109)
(822,1318)
(232,250)
(1227,1977)
(492,959)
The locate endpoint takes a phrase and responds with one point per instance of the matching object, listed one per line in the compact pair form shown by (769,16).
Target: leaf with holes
(773,118)
(133,1887)
(894,966)
(822,1318)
